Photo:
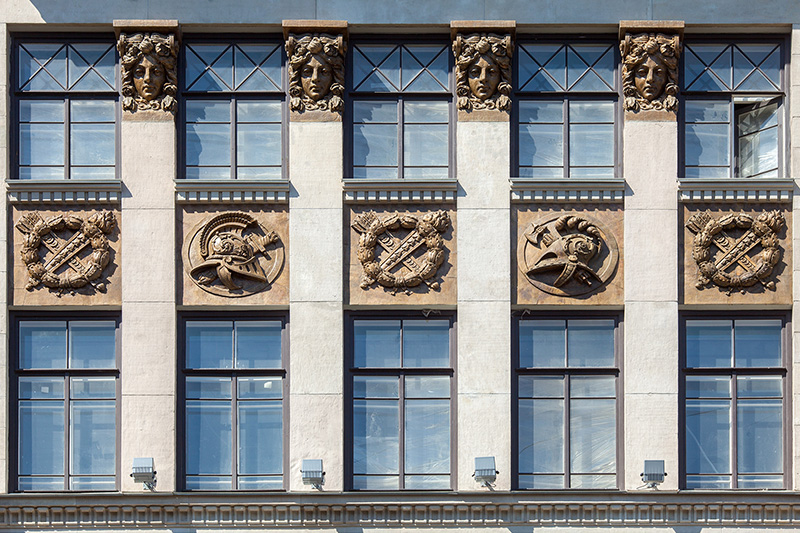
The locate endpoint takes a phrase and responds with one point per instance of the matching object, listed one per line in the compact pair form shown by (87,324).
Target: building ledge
(406,190)
(567,190)
(735,190)
(64,191)
(231,191)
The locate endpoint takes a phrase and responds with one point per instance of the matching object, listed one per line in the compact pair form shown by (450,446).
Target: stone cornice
(361,190)
(735,190)
(231,191)
(64,191)
(567,190)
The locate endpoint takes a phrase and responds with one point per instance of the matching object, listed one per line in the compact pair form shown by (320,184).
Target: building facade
(327,263)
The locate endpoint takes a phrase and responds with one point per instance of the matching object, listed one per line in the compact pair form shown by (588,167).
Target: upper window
(233,389)
(66,108)
(400,110)
(567,381)
(233,110)
(67,389)
(566,109)
(734,386)
(733,110)
(401,411)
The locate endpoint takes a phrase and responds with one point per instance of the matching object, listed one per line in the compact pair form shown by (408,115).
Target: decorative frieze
(571,190)
(399,191)
(483,71)
(232,191)
(735,190)
(64,191)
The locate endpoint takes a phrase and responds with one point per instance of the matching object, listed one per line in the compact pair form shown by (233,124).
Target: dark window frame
(783,371)
(351,371)
(616,371)
(16,95)
(233,97)
(605,96)
(182,373)
(13,386)
(399,97)
(784,145)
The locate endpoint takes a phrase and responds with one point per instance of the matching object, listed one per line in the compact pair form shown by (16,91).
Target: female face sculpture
(651,77)
(484,77)
(149,77)
(316,77)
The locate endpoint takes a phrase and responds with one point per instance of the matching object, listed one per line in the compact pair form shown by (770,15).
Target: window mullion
(234,433)
(565,138)
(734,432)
(68,431)
(567,451)
(402,426)
(67,120)
(400,142)
(234,121)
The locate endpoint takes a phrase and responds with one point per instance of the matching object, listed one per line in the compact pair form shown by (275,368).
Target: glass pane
(94,483)
(592,435)
(208,111)
(258,344)
(425,145)
(208,483)
(538,111)
(209,344)
(93,437)
(258,144)
(92,144)
(758,153)
(41,111)
(425,173)
(757,343)
(208,388)
(41,438)
(208,144)
(379,173)
(41,388)
(256,111)
(592,386)
(376,482)
(427,387)
(707,144)
(376,387)
(376,436)
(541,436)
(590,342)
(260,482)
(759,436)
(40,483)
(252,388)
(377,343)
(541,144)
(365,111)
(260,437)
(92,388)
(708,428)
(92,344)
(591,112)
(760,482)
(759,387)
(591,144)
(593,482)
(708,343)
(541,386)
(708,387)
(207,173)
(427,482)
(708,482)
(208,437)
(43,344)
(259,173)
(427,431)
(92,173)
(91,110)
(426,343)
(542,343)
(374,144)
(425,112)
(41,144)
(708,111)
(541,482)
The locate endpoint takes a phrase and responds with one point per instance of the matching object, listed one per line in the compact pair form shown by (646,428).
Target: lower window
(734,381)
(66,385)
(401,411)
(566,413)
(233,389)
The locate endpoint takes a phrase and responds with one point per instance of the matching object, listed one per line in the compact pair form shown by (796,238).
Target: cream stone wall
(4,259)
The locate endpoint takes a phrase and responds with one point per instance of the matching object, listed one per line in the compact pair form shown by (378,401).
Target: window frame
(399,98)
(233,97)
(16,95)
(351,371)
(233,373)
(16,373)
(732,371)
(566,371)
(566,96)
(783,96)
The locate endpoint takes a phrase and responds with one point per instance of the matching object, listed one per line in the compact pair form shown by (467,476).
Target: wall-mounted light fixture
(653,474)
(143,471)
(485,472)
(312,473)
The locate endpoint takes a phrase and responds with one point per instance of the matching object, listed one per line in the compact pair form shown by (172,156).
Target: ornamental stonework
(567,254)
(483,71)
(233,254)
(650,71)
(316,72)
(148,70)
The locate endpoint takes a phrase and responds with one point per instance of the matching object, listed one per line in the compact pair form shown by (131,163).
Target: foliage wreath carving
(426,230)
(91,231)
(762,230)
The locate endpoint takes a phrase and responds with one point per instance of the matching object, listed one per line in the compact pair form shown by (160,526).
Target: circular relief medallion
(567,254)
(232,254)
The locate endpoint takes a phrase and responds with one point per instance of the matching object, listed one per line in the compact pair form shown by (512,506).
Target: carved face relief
(483,71)
(316,77)
(651,76)
(567,255)
(232,254)
(149,78)
(650,71)
(736,251)
(484,76)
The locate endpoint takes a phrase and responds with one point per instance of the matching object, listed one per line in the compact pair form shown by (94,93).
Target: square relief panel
(567,254)
(65,256)
(232,256)
(401,254)
(736,254)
